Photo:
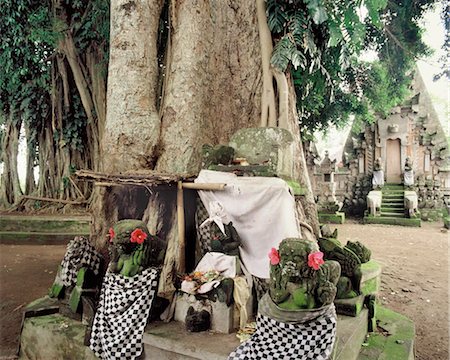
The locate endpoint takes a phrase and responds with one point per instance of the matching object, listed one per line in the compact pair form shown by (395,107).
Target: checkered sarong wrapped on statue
(289,334)
(122,314)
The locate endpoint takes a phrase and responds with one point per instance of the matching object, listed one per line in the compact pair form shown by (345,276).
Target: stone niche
(273,147)
(326,186)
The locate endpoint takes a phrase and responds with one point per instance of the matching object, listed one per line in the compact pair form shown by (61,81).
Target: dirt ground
(414,281)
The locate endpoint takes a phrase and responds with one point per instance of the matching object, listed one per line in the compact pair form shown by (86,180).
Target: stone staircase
(40,230)
(392,211)
(393,201)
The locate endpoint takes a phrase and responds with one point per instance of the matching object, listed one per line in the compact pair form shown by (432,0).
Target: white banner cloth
(378,178)
(408,177)
(262,210)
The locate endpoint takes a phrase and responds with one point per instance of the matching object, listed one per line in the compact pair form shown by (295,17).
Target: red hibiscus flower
(315,260)
(111,234)
(274,256)
(138,236)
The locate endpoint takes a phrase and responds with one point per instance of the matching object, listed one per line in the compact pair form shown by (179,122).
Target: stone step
(392,214)
(38,238)
(57,337)
(337,218)
(45,224)
(38,229)
(172,341)
(387,210)
(393,196)
(394,341)
(351,333)
(398,204)
(393,204)
(402,221)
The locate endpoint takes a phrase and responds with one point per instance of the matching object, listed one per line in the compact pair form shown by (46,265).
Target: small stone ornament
(197,321)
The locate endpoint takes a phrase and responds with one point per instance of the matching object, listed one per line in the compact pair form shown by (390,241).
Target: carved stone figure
(350,257)
(299,278)
(227,243)
(378,174)
(408,176)
(133,248)
(360,250)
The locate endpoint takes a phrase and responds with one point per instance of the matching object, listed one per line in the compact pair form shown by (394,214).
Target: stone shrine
(411,149)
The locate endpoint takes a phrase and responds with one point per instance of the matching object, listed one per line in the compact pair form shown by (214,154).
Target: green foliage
(31,31)
(319,43)
(445,59)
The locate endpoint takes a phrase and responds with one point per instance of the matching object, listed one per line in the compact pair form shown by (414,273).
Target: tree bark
(132,123)
(212,88)
(10,190)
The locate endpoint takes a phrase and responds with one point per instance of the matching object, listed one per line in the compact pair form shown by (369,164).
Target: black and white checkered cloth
(80,253)
(122,314)
(203,233)
(284,341)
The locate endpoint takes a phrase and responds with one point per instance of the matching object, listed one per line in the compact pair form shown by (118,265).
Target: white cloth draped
(262,210)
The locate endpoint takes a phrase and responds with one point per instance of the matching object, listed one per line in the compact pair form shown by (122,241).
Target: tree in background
(53,58)
(181,75)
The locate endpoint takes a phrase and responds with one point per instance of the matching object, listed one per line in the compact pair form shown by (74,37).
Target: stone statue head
(378,164)
(300,278)
(133,248)
(294,256)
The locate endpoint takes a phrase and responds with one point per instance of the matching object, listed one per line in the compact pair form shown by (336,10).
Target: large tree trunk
(212,88)
(132,124)
(10,190)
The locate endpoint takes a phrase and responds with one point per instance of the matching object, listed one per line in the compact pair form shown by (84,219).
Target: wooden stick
(78,202)
(107,184)
(207,186)
(181,239)
(76,188)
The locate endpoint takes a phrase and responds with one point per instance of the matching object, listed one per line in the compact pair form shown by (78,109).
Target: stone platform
(336,218)
(40,230)
(57,337)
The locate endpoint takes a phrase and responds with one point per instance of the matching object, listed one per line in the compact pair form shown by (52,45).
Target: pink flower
(138,236)
(274,256)
(111,234)
(315,260)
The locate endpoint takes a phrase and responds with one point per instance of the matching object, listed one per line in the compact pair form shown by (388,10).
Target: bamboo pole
(200,186)
(181,230)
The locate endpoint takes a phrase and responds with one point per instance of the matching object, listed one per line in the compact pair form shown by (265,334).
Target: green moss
(296,187)
(396,341)
(370,266)
(447,222)
(28,224)
(337,218)
(392,221)
(371,286)
(431,214)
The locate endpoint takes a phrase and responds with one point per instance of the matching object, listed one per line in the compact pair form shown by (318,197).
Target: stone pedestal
(224,319)
(273,147)
(369,285)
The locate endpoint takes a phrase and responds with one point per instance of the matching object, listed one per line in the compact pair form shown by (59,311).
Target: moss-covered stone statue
(133,248)
(350,257)
(299,277)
